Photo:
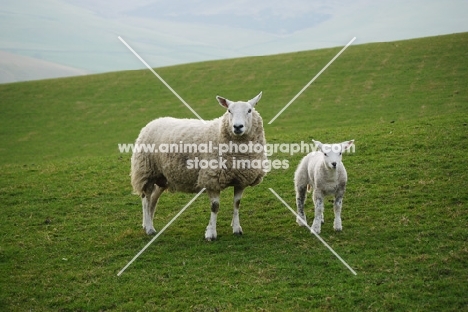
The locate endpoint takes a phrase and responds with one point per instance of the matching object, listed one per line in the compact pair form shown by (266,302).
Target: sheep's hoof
(210,234)
(210,239)
(237,231)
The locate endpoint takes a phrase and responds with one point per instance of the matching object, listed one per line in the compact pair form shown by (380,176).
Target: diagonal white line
(160,232)
(310,82)
(312,231)
(160,78)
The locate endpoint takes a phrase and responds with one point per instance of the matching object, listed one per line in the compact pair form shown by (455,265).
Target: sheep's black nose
(238,128)
(334,164)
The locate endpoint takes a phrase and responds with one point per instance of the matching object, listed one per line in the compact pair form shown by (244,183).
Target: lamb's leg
(149,207)
(210,233)
(301,191)
(236,228)
(318,218)
(337,208)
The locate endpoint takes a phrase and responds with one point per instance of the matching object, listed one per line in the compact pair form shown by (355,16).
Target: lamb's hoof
(301,221)
(150,231)
(314,231)
(337,226)
(315,228)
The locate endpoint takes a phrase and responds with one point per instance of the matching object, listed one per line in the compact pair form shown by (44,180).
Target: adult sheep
(211,152)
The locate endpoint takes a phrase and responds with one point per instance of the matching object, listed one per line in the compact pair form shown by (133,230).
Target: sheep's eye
(340,154)
(229,111)
(250,110)
(325,154)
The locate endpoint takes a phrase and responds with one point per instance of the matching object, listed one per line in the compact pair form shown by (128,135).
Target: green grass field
(69,222)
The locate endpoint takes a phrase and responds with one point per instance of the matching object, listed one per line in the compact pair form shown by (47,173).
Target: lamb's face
(240,114)
(333,152)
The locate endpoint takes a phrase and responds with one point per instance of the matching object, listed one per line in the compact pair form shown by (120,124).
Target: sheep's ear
(346,145)
(255,100)
(318,145)
(223,102)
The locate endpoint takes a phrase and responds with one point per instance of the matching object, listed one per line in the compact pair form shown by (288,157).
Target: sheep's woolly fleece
(170,169)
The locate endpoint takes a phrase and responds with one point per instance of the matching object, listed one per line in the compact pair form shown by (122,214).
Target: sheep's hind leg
(236,228)
(318,218)
(210,233)
(149,207)
(300,202)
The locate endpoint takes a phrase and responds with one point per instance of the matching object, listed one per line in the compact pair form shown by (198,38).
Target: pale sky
(72,37)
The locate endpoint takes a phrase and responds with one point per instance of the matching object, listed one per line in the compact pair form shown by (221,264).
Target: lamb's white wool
(153,173)
(324,172)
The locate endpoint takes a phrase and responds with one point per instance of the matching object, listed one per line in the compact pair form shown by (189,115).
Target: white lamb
(193,169)
(325,173)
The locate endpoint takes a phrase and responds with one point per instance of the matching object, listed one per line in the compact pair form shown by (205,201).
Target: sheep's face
(333,152)
(240,114)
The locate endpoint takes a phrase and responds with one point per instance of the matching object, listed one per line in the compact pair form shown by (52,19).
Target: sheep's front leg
(318,218)
(301,191)
(236,228)
(337,208)
(210,233)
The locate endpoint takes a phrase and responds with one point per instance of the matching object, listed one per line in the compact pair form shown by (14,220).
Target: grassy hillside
(374,83)
(70,223)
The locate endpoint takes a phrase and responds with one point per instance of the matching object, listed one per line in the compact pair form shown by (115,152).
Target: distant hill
(14,68)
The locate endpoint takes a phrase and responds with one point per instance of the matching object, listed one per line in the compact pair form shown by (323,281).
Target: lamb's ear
(345,146)
(223,102)
(255,100)
(318,145)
